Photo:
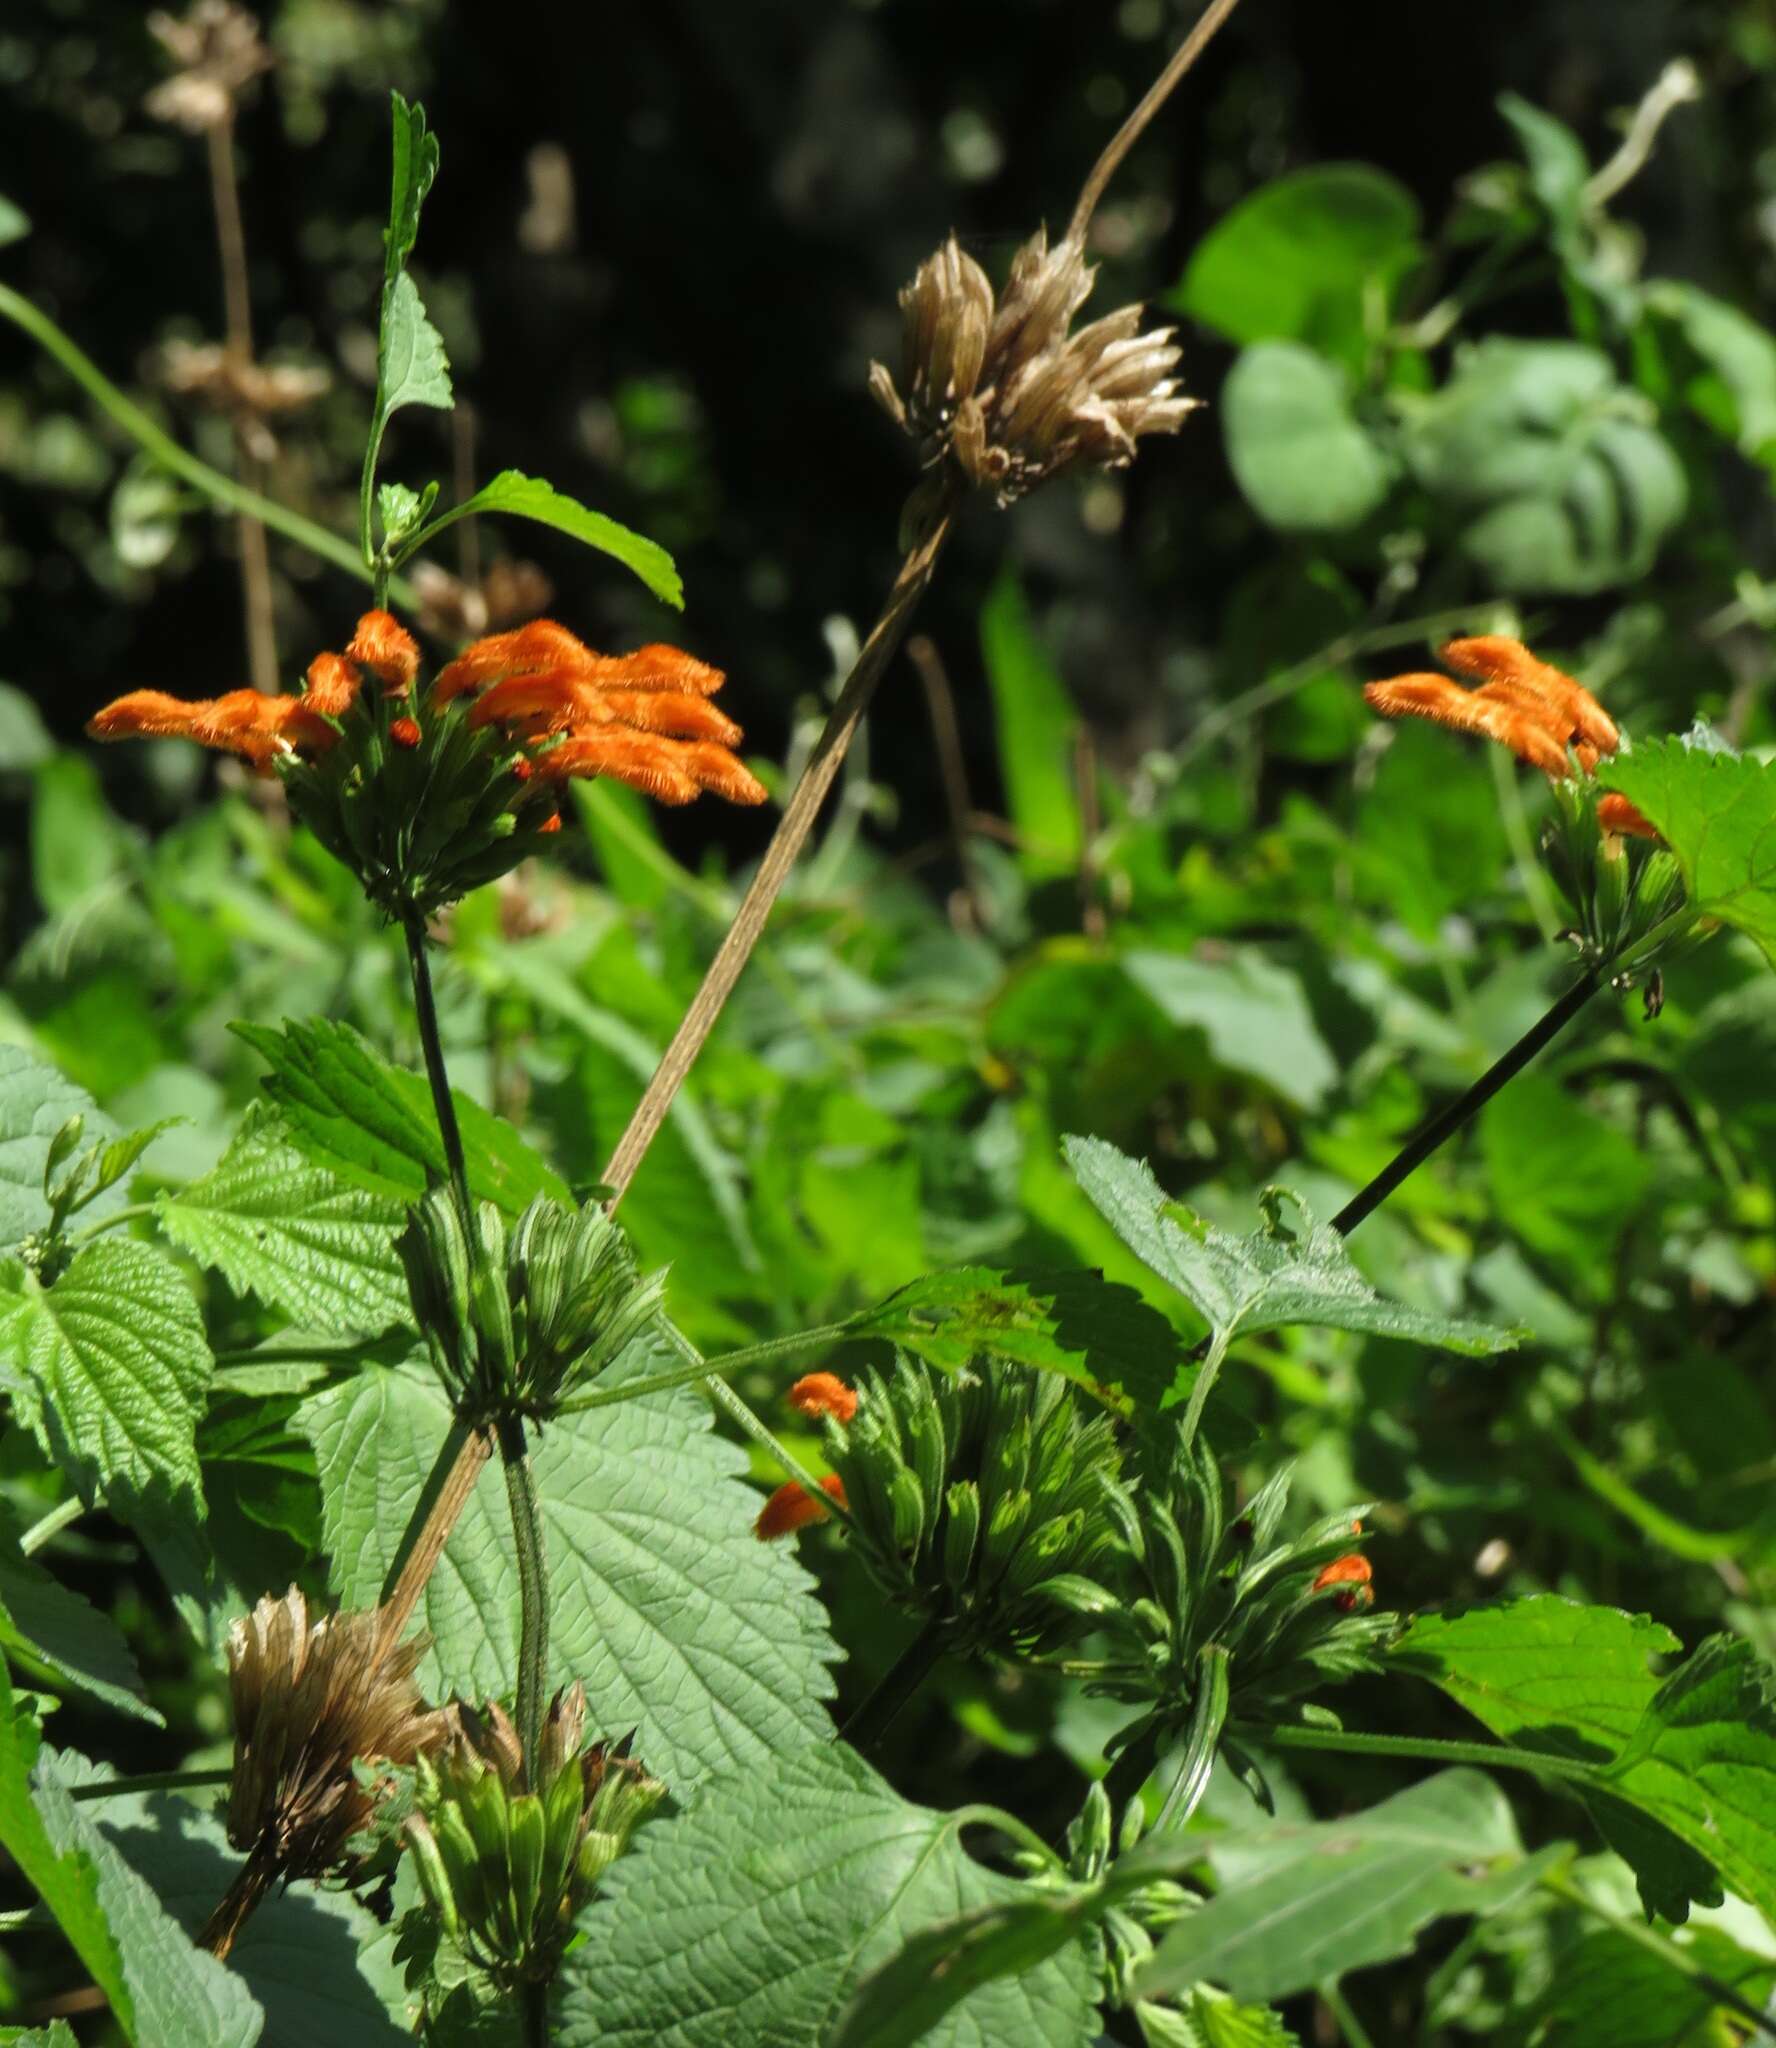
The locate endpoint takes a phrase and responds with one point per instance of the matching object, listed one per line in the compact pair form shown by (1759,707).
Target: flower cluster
(427,793)
(1007,389)
(1540,713)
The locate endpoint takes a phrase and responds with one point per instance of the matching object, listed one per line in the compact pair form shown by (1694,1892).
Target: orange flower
(1616,814)
(823,1393)
(1536,710)
(639,718)
(793,1507)
(1353,1569)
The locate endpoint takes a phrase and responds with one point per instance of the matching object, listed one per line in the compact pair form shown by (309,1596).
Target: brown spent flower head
(219,51)
(823,1393)
(1539,712)
(310,1695)
(1006,390)
(793,1507)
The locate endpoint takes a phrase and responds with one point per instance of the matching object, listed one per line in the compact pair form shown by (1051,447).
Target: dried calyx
(1007,389)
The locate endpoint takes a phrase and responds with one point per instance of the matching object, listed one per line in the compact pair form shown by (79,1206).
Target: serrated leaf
(110,1367)
(1303,1902)
(532,497)
(1093,1331)
(1209,2019)
(164,1992)
(310,1954)
(64,1636)
(1687,1784)
(297,1235)
(751,1920)
(35,1102)
(1276,1278)
(679,1621)
(348,1109)
(1609,1992)
(1718,812)
(415,166)
(411,366)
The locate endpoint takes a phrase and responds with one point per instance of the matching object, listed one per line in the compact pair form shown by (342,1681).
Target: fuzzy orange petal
(547,700)
(333,684)
(1352,1570)
(659,667)
(523,651)
(243,722)
(672,712)
(643,763)
(823,1393)
(1493,718)
(1492,658)
(1616,814)
(387,650)
(793,1507)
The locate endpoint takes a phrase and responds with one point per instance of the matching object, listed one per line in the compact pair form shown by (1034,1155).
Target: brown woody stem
(785,847)
(453,1496)
(241,1901)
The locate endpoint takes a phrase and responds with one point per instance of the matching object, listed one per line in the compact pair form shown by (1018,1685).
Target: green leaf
(1306,1901)
(63,1636)
(1558,169)
(530,497)
(1740,355)
(1253,1013)
(681,1623)
(25,741)
(749,1922)
(1296,448)
(77,843)
(1209,2019)
(163,1992)
(1037,723)
(15,223)
(1609,1992)
(110,1368)
(1562,483)
(1313,257)
(1273,1279)
(1718,811)
(1688,1782)
(348,1109)
(1093,1331)
(1566,1180)
(415,166)
(35,1102)
(298,1235)
(411,366)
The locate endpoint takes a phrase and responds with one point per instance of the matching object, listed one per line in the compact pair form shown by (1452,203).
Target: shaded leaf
(1253,1013)
(35,1102)
(64,1635)
(1296,448)
(1036,722)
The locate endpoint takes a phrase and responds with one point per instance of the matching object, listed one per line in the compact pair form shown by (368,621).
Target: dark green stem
(1131,1770)
(1428,1749)
(1442,1128)
(874,1715)
(533,1588)
(151,1781)
(426,1008)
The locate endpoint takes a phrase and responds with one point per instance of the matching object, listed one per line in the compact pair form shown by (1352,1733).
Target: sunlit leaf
(531,497)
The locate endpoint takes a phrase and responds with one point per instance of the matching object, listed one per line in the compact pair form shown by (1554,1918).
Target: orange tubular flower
(823,1393)
(793,1507)
(1353,1569)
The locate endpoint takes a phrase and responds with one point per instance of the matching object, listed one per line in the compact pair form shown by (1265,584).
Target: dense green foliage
(1238,1628)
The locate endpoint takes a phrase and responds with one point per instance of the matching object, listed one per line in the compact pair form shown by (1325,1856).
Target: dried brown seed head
(219,52)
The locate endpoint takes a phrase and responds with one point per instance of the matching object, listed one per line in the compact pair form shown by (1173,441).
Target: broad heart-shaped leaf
(749,1922)
(411,366)
(1303,258)
(1268,1281)
(682,1625)
(62,1637)
(35,1102)
(1093,1331)
(310,1954)
(1687,1785)
(347,1108)
(164,1992)
(415,166)
(1718,811)
(1295,447)
(531,497)
(298,1235)
(1303,1902)
(110,1366)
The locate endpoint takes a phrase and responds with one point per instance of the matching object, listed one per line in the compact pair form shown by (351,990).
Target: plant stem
(409,1583)
(1489,1755)
(127,1214)
(426,1007)
(1332,1997)
(219,489)
(1131,1770)
(51,1524)
(873,1715)
(150,1781)
(1443,1127)
(724,1363)
(785,848)
(1156,96)
(533,1589)
(1672,1953)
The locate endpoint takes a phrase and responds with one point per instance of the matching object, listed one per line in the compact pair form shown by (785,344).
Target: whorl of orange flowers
(641,718)
(823,1393)
(793,1507)
(1535,709)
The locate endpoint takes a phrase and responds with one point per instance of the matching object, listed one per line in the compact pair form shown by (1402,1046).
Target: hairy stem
(219,489)
(51,1524)
(1428,1749)
(426,1008)
(1155,97)
(1444,1127)
(874,1714)
(533,1588)
(781,855)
